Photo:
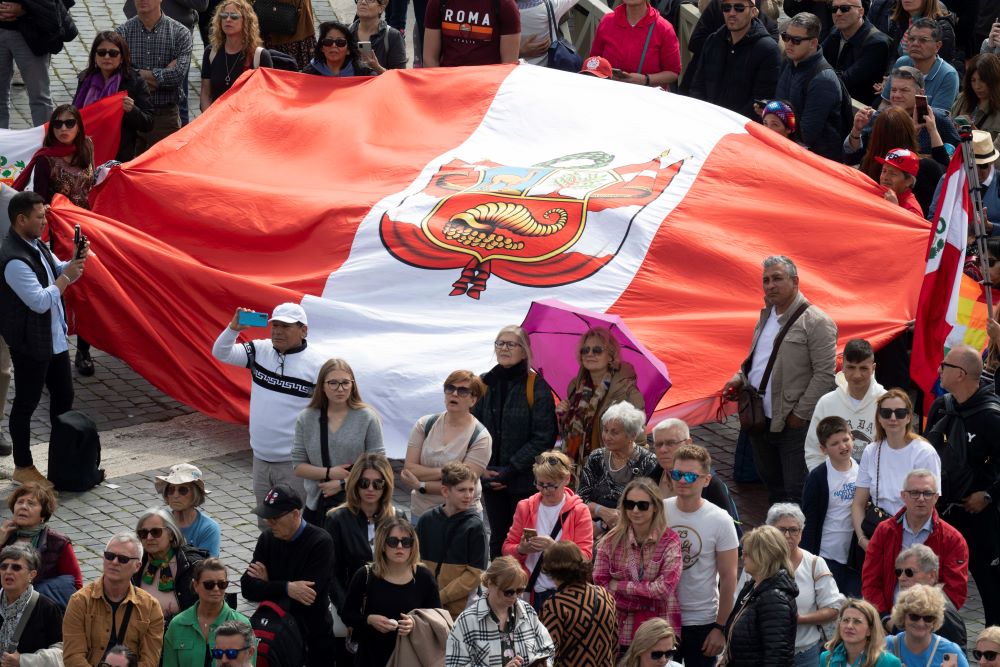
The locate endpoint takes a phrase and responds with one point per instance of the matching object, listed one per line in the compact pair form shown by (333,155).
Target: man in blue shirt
(33,322)
(923,41)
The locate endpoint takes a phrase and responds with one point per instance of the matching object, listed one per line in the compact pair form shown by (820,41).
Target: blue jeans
(808,658)
(34,71)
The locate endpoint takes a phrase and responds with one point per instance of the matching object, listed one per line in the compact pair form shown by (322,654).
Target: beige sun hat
(182,473)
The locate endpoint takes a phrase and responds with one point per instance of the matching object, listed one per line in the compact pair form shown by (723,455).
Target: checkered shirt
(475,639)
(154,49)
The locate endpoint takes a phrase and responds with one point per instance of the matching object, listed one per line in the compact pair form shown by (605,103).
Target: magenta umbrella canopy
(555,329)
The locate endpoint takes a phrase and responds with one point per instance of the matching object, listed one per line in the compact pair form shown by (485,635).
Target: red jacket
(577,525)
(878,576)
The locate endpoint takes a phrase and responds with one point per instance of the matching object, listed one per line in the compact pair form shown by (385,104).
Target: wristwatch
(343,484)
(423,487)
(719,626)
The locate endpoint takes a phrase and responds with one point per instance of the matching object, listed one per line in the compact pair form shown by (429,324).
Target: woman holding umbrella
(519,412)
(603,380)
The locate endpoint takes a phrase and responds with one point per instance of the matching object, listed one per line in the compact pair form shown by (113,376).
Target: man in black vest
(33,322)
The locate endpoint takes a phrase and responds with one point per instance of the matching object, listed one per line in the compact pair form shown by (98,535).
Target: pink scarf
(94,88)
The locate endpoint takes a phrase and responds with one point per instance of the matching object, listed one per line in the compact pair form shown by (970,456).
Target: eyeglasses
(68,123)
(843,9)
(945,364)
(596,349)
(989,655)
(458,391)
(889,413)
(914,618)
(377,484)
(122,558)
(396,542)
(232,16)
(787,530)
(641,505)
(689,477)
(211,585)
(230,653)
(339,384)
(739,9)
(670,443)
(330,41)
(108,53)
(793,39)
(512,592)
(180,489)
(660,655)
(926,495)
(155,533)
(546,486)
(13,567)
(908,571)
(506,344)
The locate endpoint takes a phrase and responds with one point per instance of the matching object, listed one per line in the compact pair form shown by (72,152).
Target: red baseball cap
(596,66)
(903,159)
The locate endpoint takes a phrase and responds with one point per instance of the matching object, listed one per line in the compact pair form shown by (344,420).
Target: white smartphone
(366,48)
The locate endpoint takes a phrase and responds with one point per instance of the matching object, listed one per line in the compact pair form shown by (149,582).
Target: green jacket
(185,646)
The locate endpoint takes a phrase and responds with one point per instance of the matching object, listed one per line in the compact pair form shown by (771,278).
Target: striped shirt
(155,49)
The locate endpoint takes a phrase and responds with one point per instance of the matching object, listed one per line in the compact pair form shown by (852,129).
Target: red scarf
(54,151)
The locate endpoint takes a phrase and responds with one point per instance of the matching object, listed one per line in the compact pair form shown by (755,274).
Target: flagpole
(978,219)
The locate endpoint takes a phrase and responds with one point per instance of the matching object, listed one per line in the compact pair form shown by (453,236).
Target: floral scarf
(11,614)
(578,421)
(161,565)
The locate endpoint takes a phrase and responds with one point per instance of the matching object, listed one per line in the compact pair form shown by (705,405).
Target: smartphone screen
(365,47)
(922,108)
(530,533)
(250,318)
(617,74)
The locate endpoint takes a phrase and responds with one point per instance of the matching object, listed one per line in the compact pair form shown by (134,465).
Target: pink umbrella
(555,328)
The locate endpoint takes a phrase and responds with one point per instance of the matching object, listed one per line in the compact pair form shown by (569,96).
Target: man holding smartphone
(284,371)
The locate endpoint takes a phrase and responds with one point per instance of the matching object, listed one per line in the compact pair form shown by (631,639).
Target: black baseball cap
(280,500)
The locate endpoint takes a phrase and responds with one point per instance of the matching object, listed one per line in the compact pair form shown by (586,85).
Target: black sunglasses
(843,9)
(551,460)
(641,505)
(330,41)
(460,391)
(512,592)
(68,123)
(739,9)
(377,484)
(212,585)
(989,655)
(596,349)
(155,533)
(900,413)
(108,53)
(13,567)
(396,542)
(793,39)
(660,655)
(908,571)
(919,617)
(230,653)
(122,558)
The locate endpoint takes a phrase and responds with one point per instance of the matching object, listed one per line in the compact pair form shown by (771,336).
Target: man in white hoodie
(853,399)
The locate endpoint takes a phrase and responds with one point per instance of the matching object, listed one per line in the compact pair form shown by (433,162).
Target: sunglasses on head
(689,477)
(843,9)
(793,39)
(739,9)
(233,16)
(396,542)
(660,655)
(331,41)
(513,592)
(122,558)
(181,489)
(641,505)
(108,53)
(230,653)
(13,567)
(551,460)
(68,123)
(919,617)
(989,655)
(155,533)
(908,571)
(211,584)
(458,391)
(595,349)
(887,413)
(377,484)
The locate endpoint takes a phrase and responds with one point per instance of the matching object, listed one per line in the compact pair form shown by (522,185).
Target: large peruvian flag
(416,213)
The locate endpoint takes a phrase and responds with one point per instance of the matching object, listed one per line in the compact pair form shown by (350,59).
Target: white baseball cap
(289,313)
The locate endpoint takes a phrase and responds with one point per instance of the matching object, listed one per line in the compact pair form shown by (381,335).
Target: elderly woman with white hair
(610,468)
(167,562)
(183,491)
(819,601)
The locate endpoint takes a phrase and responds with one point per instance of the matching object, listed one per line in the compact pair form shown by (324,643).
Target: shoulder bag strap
(777,343)
(537,570)
(120,637)
(649,36)
(553,32)
(429,424)
(23,621)
(256,56)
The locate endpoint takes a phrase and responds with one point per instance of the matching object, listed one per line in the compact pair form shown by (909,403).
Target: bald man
(964,427)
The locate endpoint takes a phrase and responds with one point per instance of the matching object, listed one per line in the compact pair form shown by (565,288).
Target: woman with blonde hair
(500,626)
(988,647)
(919,610)
(652,646)
(639,561)
(330,434)
(381,594)
(554,513)
(761,628)
(603,380)
(519,412)
(858,639)
(234,46)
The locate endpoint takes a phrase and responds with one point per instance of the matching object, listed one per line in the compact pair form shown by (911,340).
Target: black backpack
(949,438)
(845,120)
(75,453)
(279,638)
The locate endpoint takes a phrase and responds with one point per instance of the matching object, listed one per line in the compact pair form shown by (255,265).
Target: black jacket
(47,25)
(25,330)
(520,433)
(860,64)
(815,94)
(187,556)
(815,503)
(459,539)
(388,45)
(734,75)
(760,631)
(983,428)
(139,119)
(349,531)
(44,627)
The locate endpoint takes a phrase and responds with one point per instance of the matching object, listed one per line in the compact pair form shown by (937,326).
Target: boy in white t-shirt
(709,548)
(826,501)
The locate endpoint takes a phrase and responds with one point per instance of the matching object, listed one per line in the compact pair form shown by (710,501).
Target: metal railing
(583,20)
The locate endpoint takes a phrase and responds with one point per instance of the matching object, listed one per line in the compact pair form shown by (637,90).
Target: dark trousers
(500,506)
(689,652)
(781,462)
(396,14)
(538,598)
(848,579)
(30,376)
(982,533)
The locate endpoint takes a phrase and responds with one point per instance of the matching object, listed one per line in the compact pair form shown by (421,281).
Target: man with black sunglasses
(112,611)
(964,427)
(919,565)
(856,49)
